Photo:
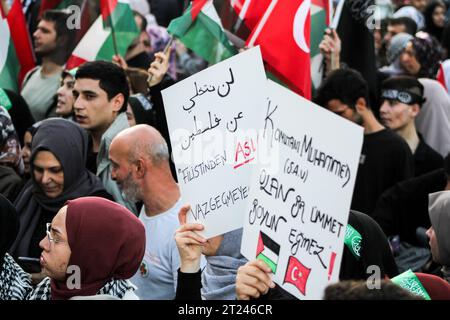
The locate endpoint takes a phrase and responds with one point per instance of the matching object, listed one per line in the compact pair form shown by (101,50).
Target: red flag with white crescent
(284,36)
(297,274)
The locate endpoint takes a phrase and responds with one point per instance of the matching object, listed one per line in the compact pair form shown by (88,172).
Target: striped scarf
(115,288)
(15,283)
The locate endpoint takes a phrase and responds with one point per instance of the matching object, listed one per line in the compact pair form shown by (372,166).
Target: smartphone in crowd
(30,265)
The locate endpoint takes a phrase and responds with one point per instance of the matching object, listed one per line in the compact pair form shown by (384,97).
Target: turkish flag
(283,34)
(250,11)
(297,274)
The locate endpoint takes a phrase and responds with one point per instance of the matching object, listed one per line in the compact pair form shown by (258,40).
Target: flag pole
(113,34)
(168,45)
(261,23)
(242,14)
(330,11)
(337,15)
(335,23)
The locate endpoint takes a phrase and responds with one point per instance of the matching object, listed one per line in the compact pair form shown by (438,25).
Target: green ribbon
(353,241)
(4,100)
(409,281)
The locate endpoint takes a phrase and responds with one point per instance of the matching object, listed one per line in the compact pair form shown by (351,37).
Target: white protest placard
(299,207)
(213,118)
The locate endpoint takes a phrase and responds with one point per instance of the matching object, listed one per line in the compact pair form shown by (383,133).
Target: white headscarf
(143,7)
(433,120)
(439,211)
(413,13)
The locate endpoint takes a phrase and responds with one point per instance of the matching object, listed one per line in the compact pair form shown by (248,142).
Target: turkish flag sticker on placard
(297,274)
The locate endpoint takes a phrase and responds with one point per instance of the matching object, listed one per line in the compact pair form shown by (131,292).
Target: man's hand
(158,68)
(253,279)
(330,47)
(189,243)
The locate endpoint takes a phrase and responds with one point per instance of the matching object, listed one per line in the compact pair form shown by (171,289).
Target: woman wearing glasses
(58,174)
(91,248)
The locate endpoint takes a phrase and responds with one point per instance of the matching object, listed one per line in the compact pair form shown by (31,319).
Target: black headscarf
(430,27)
(375,250)
(142,109)
(9,226)
(69,144)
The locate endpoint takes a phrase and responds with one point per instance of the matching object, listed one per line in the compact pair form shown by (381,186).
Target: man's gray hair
(157,152)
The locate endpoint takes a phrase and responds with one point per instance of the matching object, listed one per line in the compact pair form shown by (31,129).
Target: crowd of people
(90,207)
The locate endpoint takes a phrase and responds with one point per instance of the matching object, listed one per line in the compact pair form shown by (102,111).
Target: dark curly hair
(112,78)
(429,54)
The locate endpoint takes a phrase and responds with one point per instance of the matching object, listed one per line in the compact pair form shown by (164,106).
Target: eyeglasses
(49,235)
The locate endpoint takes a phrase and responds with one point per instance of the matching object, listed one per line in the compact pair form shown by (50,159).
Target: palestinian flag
(201,30)
(86,8)
(21,39)
(98,42)
(443,75)
(9,64)
(268,251)
(107,8)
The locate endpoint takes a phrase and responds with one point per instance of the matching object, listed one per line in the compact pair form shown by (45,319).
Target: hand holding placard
(253,280)
(189,243)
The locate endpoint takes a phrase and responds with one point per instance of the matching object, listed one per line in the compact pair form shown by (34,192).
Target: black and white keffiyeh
(15,283)
(114,288)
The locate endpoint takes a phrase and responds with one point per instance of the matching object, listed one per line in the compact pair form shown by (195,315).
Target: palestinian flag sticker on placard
(268,251)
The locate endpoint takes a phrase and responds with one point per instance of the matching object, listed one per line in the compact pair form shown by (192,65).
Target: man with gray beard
(140,166)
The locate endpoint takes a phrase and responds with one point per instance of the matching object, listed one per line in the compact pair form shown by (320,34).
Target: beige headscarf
(439,211)
(433,120)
